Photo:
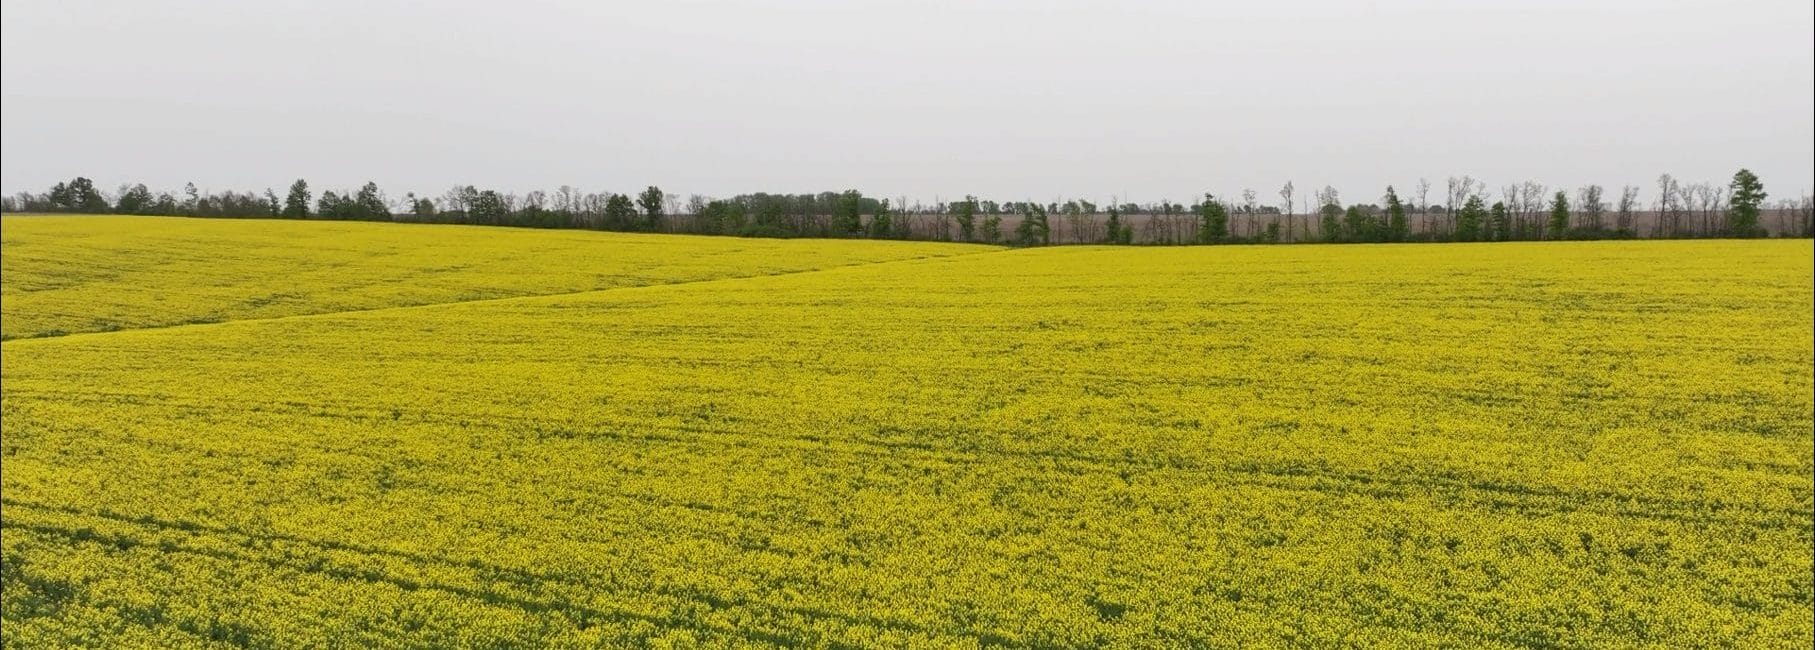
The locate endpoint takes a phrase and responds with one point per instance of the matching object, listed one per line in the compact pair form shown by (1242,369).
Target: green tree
(1559,216)
(992,228)
(1112,231)
(1748,194)
(1330,222)
(1213,221)
(489,207)
(329,205)
(651,201)
(370,203)
(1499,223)
(1358,225)
(620,213)
(135,200)
(296,204)
(192,199)
(881,226)
(966,214)
(901,226)
(79,195)
(1034,229)
(1397,228)
(1469,219)
(847,213)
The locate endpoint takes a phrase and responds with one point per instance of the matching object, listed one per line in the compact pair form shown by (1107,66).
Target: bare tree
(566,198)
(1589,203)
(1424,204)
(1713,199)
(1686,202)
(1629,201)
(1509,194)
(1285,192)
(1531,199)
(1451,193)
(1249,209)
(1666,216)
(1805,214)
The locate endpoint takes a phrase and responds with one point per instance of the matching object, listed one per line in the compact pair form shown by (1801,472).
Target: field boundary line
(431,305)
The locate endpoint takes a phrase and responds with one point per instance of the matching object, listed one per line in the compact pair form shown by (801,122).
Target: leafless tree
(565,198)
(1509,194)
(1452,191)
(1531,201)
(1424,204)
(455,199)
(1152,229)
(1805,214)
(1250,210)
(1589,203)
(1629,202)
(1666,212)
(1285,192)
(1713,200)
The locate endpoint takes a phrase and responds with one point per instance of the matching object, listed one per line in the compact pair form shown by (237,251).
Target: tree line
(1468,212)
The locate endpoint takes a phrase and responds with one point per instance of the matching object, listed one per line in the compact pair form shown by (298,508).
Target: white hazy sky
(1015,99)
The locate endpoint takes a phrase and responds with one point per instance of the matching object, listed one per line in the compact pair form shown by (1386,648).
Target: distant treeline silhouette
(1468,211)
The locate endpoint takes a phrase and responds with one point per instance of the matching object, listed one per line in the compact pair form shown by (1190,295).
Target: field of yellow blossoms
(103,273)
(707,442)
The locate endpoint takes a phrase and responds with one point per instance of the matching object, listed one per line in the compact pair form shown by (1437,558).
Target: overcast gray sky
(1024,99)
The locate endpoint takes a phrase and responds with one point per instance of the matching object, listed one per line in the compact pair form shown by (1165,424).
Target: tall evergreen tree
(328,206)
(1397,228)
(847,213)
(881,226)
(370,203)
(966,214)
(1330,222)
(1112,231)
(1034,229)
(1213,221)
(1748,194)
(1469,218)
(135,200)
(620,213)
(651,201)
(1499,223)
(1559,215)
(296,204)
(79,195)
(1358,225)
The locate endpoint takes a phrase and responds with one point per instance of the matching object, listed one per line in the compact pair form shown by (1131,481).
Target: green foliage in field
(1542,444)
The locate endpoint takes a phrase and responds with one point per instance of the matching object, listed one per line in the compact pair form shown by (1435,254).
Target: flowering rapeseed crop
(1569,444)
(101,273)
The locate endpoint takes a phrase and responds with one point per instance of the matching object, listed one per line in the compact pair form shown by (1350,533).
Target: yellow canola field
(92,273)
(1498,445)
